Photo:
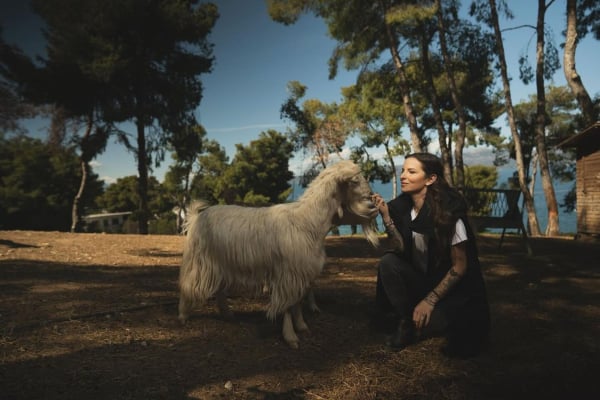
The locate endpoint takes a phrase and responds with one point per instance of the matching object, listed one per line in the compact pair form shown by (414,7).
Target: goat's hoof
(293,345)
(315,310)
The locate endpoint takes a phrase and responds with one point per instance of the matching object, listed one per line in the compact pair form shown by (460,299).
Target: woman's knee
(392,264)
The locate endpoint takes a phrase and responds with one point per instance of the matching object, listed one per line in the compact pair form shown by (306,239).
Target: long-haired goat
(281,247)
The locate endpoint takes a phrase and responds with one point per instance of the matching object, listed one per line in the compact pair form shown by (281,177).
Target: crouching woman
(431,278)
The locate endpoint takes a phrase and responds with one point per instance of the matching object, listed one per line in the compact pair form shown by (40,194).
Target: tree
(547,63)
(13,107)
(483,177)
(72,96)
(320,129)
(367,31)
(259,173)
(582,17)
(374,105)
(187,146)
(37,183)
(364,32)
(122,196)
(542,71)
(146,56)
(425,35)
(487,11)
(460,112)
(212,164)
(560,109)
(65,128)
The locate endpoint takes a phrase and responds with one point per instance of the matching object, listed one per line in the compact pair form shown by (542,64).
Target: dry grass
(87,316)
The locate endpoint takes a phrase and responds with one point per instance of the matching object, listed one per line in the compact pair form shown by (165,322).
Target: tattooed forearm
(395,237)
(432,298)
(449,281)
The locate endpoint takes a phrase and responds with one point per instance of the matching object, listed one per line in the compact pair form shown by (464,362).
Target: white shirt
(419,250)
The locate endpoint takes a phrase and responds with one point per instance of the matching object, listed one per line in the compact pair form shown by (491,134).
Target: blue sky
(256,58)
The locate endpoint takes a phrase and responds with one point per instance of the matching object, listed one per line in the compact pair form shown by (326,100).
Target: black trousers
(400,287)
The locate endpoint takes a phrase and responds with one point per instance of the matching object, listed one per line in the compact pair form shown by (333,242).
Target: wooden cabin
(587,145)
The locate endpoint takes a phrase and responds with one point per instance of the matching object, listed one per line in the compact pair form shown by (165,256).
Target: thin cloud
(108,180)
(246,127)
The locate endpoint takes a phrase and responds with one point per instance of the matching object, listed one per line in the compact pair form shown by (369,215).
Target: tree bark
(460,111)
(435,106)
(531,213)
(540,126)
(75,210)
(571,75)
(415,136)
(142,159)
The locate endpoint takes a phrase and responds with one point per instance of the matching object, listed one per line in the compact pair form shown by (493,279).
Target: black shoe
(404,336)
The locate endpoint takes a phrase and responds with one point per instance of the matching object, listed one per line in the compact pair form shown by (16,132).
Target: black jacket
(466,304)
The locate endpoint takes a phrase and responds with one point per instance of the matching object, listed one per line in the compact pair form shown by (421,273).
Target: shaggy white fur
(231,247)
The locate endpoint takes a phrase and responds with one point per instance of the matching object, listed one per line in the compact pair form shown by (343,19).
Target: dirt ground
(93,316)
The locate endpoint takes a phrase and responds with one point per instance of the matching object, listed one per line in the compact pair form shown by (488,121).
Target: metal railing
(496,209)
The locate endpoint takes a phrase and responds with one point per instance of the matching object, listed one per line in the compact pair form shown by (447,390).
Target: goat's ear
(355,179)
(340,212)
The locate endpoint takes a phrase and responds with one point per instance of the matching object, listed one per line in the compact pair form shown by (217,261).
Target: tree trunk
(415,136)
(534,164)
(571,75)
(531,213)
(540,127)
(462,120)
(142,158)
(435,106)
(390,157)
(75,211)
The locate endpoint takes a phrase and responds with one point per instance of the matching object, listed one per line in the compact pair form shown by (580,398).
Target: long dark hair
(443,200)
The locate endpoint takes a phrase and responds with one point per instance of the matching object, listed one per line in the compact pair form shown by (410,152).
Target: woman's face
(413,178)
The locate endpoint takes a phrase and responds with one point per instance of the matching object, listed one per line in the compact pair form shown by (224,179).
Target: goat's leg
(298,318)
(289,335)
(185,305)
(223,305)
(312,302)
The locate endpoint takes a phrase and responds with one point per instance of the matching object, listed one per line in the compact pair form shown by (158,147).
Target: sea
(567,220)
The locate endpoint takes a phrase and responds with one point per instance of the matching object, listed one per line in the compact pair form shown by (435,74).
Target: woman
(432,278)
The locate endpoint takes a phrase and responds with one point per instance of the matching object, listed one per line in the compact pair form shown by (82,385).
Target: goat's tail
(189,275)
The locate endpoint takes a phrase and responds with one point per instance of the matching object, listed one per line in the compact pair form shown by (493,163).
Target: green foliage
(561,121)
(551,60)
(187,144)
(374,107)
(12,108)
(163,226)
(213,162)
(365,33)
(123,196)
(38,183)
(588,18)
(259,172)
(481,176)
(137,60)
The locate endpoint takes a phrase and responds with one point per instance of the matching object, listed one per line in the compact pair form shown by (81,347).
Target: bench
(496,209)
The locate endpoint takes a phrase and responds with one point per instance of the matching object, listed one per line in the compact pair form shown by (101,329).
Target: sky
(255,58)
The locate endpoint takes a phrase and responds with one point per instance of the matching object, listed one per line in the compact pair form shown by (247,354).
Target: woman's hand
(381,206)
(422,314)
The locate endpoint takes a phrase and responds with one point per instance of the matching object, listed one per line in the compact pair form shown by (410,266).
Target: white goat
(282,246)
